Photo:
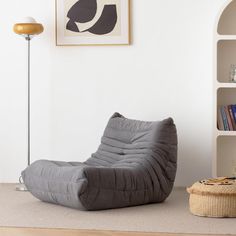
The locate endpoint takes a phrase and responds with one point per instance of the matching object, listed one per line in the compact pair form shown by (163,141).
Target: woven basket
(213,197)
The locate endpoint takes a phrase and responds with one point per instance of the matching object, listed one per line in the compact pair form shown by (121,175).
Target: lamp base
(21,188)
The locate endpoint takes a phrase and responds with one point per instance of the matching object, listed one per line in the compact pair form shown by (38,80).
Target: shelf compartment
(226,156)
(227,20)
(226,56)
(226,96)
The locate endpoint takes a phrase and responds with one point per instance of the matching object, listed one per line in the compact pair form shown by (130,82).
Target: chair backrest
(128,143)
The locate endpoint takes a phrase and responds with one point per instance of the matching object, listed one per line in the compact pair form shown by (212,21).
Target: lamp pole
(22,187)
(28,153)
(27,28)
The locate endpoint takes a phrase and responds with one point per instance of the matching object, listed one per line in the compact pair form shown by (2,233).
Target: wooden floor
(67,232)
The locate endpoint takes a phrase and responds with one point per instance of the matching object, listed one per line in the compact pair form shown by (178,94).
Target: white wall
(167,71)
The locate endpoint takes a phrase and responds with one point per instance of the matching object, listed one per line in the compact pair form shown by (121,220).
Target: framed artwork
(92,22)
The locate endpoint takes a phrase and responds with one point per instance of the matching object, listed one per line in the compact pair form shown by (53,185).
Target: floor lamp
(28,28)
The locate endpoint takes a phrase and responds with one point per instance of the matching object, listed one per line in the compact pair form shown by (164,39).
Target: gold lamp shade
(28,27)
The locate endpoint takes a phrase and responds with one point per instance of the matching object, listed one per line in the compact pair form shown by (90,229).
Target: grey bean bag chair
(135,164)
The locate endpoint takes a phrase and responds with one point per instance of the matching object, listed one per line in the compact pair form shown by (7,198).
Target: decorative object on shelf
(92,22)
(27,28)
(213,197)
(232,77)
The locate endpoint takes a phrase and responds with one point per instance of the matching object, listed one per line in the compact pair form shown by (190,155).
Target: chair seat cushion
(134,164)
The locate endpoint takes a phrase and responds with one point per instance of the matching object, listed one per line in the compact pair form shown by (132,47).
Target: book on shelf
(234,112)
(232,116)
(226,117)
(230,125)
(220,123)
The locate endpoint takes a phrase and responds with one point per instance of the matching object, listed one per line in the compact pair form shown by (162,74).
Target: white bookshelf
(224,142)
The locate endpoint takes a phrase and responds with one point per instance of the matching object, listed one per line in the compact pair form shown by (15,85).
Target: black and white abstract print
(94,16)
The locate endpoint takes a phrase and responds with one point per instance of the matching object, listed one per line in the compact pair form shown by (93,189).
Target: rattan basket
(213,197)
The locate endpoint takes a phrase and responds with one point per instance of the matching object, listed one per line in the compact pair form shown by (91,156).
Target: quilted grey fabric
(134,164)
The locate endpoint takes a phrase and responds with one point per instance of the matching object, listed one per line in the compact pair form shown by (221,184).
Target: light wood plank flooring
(66,232)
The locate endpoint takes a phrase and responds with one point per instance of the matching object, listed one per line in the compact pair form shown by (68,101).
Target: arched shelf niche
(227,20)
(224,139)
